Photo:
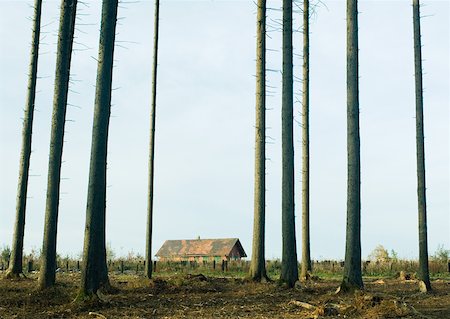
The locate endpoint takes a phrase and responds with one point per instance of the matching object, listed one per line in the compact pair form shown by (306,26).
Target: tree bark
(306,257)
(352,270)
(151,162)
(423,273)
(289,268)
(257,266)
(94,273)
(15,265)
(63,58)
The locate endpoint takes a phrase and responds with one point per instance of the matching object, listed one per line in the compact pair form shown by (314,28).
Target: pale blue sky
(205,124)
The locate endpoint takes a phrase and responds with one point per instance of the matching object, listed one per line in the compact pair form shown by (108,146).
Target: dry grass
(183,296)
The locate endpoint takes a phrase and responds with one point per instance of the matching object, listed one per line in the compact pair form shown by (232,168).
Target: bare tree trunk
(423,273)
(65,41)
(94,273)
(306,257)
(257,266)
(352,270)
(15,265)
(289,268)
(151,162)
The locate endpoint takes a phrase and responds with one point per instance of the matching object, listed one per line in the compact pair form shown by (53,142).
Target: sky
(205,124)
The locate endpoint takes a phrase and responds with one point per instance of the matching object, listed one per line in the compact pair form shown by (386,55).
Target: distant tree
(151,162)
(352,278)
(5,254)
(441,254)
(379,254)
(15,266)
(257,266)
(110,253)
(394,255)
(289,267)
(306,256)
(63,58)
(423,273)
(94,273)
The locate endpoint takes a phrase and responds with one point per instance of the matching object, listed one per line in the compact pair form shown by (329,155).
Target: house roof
(200,247)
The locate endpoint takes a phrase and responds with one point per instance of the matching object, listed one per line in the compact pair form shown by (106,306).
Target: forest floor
(187,296)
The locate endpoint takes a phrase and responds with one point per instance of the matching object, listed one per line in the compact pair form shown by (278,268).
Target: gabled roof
(200,247)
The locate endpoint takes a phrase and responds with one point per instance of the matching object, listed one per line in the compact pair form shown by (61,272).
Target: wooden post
(78,265)
(67,265)
(214,264)
(121,266)
(30,266)
(154,265)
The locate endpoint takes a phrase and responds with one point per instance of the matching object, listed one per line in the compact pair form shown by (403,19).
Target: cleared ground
(195,296)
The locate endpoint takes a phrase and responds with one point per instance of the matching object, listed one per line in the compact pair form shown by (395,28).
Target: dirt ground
(184,296)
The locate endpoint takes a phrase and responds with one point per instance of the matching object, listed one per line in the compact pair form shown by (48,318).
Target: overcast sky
(205,124)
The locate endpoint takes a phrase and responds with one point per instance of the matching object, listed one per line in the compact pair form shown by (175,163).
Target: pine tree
(423,273)
(15,265)
(306,257)
(151,161)
(94,273)
(352,278)
(289,267)
(257,266)
(63,58)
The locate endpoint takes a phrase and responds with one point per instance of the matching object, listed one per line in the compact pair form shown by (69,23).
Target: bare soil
(182,296)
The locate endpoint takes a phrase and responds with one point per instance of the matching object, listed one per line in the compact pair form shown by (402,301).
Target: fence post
(154,265)
(121,266)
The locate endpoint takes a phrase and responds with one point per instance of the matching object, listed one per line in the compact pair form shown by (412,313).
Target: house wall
(235,254)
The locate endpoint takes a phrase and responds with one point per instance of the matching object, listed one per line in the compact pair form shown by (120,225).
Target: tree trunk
(15,265)
(151,162)
(352,270)
(94,273)
(423,273)
(289,268)
(65,41)
(257,266)
(306,257)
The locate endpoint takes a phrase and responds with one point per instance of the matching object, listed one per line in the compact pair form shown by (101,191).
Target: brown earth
(182,296)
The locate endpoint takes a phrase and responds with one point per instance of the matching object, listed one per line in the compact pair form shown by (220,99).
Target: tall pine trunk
(257,266)
(352,278)
(289,268)
(423,273)
(306,257)
(151,161)
(64,49)
(94,273)
(15,266)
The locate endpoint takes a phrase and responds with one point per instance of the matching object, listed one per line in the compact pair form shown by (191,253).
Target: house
(201,250)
